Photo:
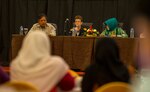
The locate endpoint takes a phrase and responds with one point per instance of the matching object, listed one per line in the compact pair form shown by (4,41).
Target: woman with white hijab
(36,65)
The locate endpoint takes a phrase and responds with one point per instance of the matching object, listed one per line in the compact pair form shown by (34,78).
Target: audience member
(36,65)
(142,25)
(107,67)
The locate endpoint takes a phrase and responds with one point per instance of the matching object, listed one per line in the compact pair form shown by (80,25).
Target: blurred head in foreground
(107,67)
(36,65)
(141,21)
(142,26)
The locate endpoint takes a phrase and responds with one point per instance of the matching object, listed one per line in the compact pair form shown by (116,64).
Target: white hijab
(35,63)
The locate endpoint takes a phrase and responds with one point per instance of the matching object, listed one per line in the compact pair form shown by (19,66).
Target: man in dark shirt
(77,30)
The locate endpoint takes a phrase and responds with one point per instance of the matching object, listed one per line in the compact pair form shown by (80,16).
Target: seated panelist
(77,30)
(112,29)
(42,25)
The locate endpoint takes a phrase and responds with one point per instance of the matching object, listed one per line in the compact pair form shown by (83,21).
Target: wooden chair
(114,87)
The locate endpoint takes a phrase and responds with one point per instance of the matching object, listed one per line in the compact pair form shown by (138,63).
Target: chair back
(18,86)
(114,87)
(55,25)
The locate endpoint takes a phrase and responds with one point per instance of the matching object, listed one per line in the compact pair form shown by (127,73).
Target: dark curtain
(16,13)
(6,28)
(58,11)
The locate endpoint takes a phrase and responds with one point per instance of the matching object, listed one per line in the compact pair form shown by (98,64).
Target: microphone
(67,20)
(66,26)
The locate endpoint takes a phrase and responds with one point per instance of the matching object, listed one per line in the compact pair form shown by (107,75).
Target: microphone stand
(66,24)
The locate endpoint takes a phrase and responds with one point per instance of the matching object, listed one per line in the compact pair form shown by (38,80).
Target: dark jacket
(80,34)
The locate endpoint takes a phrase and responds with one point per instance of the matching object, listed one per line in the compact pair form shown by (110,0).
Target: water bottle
(132,33)
(21,30)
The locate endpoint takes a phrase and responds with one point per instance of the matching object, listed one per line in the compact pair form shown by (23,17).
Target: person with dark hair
(112,29)
(107,66)
(77,30)
(42,25)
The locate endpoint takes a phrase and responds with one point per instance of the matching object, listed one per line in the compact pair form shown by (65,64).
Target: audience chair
(114,87)
(18,86)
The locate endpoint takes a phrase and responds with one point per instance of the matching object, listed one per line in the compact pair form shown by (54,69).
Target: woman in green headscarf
(112,29)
